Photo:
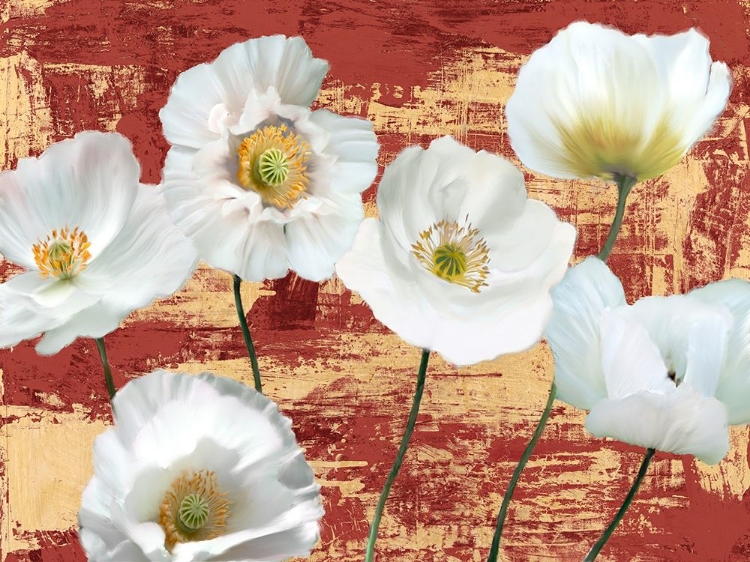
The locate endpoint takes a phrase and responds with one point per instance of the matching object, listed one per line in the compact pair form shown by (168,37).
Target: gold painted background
(344,379)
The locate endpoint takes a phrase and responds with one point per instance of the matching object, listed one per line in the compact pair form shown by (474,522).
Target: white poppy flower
(667,373)
(198,468)
(96,244)
(257,180)
(595,102)
(460,261)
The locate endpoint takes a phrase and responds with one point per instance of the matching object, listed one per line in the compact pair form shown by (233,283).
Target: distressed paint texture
(418,70)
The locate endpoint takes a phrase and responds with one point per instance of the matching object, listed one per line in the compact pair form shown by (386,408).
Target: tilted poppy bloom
(95,242)
(666,373)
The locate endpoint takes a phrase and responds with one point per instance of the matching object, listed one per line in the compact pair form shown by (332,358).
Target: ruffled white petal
(573,331)
(290,534)
(297,541)
(95,321)
(283,63)
(631,362)
(712,105)
(393,300)
(209,98)
(707,350)
(495,192)
(224,235)
(89,182)
(535,239)
(149,259)
(493,334)
(195,108)
(315,243)
(24,316)
(452,182)
(403,197)
(698,89)
(734,382)
(682,422)
(18,323)
(101,540)
(690,334)
(353,147)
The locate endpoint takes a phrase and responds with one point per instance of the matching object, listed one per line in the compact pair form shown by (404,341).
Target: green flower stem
(107,371)
(625,505)
(370,551)
(624,185)
(517,474)
(246,334)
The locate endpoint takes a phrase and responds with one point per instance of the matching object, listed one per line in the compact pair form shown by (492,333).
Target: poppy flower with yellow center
(460,261)
(198,467)
(261,183)
(95,243)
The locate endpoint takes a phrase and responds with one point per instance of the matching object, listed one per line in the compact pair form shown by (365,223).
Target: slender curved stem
(502,514)
(370,551)
(624,185)
(107,371)
(625,505)
(246,334)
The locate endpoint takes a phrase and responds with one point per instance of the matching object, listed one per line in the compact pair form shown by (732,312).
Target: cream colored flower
(198,468)
(257,180)
(667,373)
(460,261)
(595,102)
(96,244)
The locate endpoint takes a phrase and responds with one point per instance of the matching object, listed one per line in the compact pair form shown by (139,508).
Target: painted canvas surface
(418,70)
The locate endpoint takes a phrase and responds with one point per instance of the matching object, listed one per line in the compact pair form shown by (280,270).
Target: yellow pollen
(193,509)
(273,162)
(63,254)
(454,253)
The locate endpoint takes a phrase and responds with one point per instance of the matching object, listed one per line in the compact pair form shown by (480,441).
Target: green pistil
(272,167)
(193,513)
(450,262)
(60,249)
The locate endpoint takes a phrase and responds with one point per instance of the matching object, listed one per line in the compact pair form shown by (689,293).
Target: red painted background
(442,507)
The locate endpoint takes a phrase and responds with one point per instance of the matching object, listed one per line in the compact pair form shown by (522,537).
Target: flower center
(273,163)
(63,254)
(193,509)
(193,512)
(454,253)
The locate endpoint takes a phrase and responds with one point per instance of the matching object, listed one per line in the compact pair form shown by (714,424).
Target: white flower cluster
(459,261)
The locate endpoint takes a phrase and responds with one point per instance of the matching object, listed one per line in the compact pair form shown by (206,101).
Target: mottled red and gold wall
(417,69)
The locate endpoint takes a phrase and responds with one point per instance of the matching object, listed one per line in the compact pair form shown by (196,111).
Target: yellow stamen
(63,254)
(454,253)
(273,162)
(193,509)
